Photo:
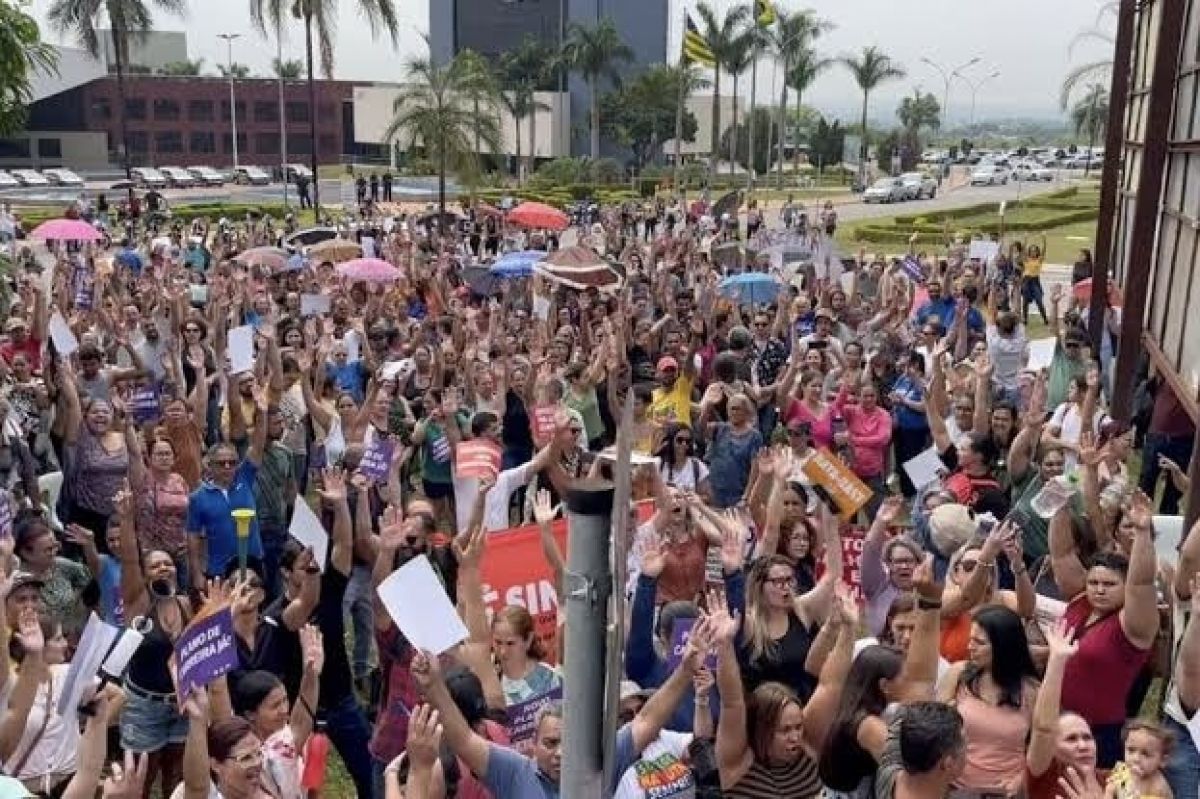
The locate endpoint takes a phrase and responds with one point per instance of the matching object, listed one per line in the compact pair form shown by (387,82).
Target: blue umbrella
(750,288)
(129,259)
(517,264)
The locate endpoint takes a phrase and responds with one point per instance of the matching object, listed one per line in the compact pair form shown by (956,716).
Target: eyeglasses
(225,463)
(782,583)
(250,758)
(968,565)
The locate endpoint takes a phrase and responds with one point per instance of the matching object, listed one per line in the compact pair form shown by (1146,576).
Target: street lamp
(229,39)
(975,87)
(947,76)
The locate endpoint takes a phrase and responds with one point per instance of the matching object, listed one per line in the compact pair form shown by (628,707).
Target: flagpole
(750,122)
(683,65)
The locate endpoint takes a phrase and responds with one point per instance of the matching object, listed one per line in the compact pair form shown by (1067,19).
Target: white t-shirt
(693,473)
(1070,426)
(56,752)
(659,772)
(1009,355)
(495,507)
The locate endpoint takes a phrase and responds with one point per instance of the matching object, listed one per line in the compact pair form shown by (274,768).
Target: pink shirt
(822,426)
(870,435)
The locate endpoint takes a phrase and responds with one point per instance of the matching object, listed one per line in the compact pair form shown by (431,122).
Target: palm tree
(719,34)
(291,69)
(523,71)
(594,53)
(480,83)
(1099,71)
(737,60)
(805,70)
(434,111)
(870,69)
(791,38)
(321,16)
(1090,114)
(685,80)
(126,18)
(238,71)
(26,56)
(182,68)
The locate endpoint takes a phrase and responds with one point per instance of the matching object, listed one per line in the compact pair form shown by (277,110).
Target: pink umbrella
(66,230)
(272,258)
(538,216)
(370,270)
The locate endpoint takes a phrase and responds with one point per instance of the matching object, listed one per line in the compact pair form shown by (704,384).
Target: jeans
(357,603)
(274,536)
(1178,449)
(348,731)
(1183,768)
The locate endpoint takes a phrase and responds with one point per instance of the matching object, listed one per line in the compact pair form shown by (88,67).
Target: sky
(1029,42)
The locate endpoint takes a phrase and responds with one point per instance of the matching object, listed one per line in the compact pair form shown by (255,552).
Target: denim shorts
(148,725)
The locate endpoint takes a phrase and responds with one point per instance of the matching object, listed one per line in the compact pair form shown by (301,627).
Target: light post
(947,76)
(229,39)
(282,118)
(975,87)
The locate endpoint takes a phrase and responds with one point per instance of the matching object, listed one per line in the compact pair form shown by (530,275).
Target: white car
(1032,171)
(207,176)
(7,181)
(62,177)
(30,177)
(250,176)
(886,190)
(293,171)
(178,177)
(919,185)
(148,178)
(989,175)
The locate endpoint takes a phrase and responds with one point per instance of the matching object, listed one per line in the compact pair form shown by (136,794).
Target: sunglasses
(225,462)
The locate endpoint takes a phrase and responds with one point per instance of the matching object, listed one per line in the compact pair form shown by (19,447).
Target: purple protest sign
(144,404)
(205,651)
(84,290)
(377,459)
(681,633)
(522,718)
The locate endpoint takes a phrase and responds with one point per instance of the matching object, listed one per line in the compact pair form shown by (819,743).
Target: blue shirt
(208,516)
(349,378)
(514,776)
(112,607)
(913,391)
(942,308)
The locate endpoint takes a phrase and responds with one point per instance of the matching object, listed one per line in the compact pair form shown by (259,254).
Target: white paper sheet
(418,604)
(241,349)
(308,530)
(1041,353)
(314,304)
(60,333)
(353,346)
(925,468)
(94,643)
(541,308)
(985,251)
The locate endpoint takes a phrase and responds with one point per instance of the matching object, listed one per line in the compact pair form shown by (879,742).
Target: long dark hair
(1011,663)
(843,763)
(667,450)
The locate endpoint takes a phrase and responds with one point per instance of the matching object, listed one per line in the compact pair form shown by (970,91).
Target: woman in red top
(1114,615)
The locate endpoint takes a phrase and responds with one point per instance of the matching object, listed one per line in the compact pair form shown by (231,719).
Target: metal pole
(750,121)
(282,119)
(588,587)
(229,38)
(683,77)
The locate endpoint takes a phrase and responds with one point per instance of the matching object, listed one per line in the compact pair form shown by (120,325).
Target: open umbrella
(484,209)
(308,237)
(538,216)
(579,268)
(272,258)
(726,205)
(1083,292)
(335,251)
(727,254)
(449,220)
(750,288)
(517,264)
(369,270)
(66,230)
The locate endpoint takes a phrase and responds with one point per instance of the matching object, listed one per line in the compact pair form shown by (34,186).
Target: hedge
(932,234)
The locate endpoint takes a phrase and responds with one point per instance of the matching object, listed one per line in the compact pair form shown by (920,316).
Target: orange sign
(478,458)
(843,485)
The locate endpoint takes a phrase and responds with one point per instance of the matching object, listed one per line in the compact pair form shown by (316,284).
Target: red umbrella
(483,209)
(538,216)
(1083,292)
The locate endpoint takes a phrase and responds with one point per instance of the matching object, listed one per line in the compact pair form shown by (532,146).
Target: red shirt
(1104,649)
(1046,785)
(31,348)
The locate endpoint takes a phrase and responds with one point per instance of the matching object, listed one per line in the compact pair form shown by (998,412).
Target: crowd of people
(992,620)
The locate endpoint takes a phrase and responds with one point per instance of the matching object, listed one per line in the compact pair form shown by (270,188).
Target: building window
(168,141)
(327,144)
(102,108)
(227,143)
(14,148)
(299,144)
(266,111)
(50,148)
(166,110)
(139,141)
(297,112)
(241,110)
(204,142)
(266,143)
(200,111)
(135,108)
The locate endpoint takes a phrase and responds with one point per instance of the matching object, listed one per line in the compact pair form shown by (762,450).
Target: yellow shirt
(674,404)
(1033,267)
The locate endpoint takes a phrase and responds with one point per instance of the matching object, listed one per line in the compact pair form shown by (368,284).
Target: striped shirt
(796,781)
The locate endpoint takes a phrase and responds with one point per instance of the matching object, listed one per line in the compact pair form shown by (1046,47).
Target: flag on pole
(695,49)
(764,13)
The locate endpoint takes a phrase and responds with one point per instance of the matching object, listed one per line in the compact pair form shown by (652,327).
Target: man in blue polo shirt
(228,485)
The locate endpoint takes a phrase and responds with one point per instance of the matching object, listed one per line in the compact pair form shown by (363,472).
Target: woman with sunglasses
(677,463)
(788,530)
(808,407)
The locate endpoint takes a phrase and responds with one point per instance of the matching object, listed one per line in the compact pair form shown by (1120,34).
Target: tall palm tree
(807,67)
(320,16)
(479,81)
(870,69)
(434,111)
(737,60)
(594,53)
(532,66)
(1099,71)
(719,33)
(126,18)
(290,69)
(686,79)
(238,71)
(792,36)
(1090,114)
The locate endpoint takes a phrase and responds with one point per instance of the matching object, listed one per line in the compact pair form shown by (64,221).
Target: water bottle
(1054,495)
(316,753)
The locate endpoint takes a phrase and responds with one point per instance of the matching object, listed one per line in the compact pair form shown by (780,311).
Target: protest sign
(239,343)
(144,404)
(314,304)
(64,339)
(6,515)
(377,459)
(925,468)
(543,421)
(523,716)
(984,251)
(420,607)
(205,651)
(847,491)
(94,642)
(478,458)
(681,633)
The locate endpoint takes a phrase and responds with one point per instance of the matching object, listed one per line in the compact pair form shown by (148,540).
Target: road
(952,198)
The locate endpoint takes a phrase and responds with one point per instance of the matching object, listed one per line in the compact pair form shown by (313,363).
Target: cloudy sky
(1029,42)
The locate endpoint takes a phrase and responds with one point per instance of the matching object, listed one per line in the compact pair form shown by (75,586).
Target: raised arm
(1043,739)
(957,600)
(1139,616)
(813,607)
(733,746)
(468,745)
(657,711)
(313,653)
(1187,663)
(918,675)
(1069,574)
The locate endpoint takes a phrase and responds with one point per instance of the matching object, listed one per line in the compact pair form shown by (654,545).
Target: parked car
(250,176)
(7,181)
(989,175)
(178,177)
(293,171)
(919,185)
(148,178)
(62,177)
(207,176)
(886,190)
(1031,171)
(30,177)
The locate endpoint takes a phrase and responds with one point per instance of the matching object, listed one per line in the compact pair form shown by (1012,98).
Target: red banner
(852,537)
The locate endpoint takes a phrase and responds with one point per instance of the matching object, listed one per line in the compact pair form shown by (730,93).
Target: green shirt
(275,477)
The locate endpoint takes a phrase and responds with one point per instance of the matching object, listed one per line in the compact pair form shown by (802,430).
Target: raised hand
(334,488)
(1089,453)
(126,782)
(426,670)
(29,632)
(197,707)
(724,626)
(544,511)
(391,528)
(889,511)
(424,737)
(313,648)
(470,554)
(1060,639)
(1076,785)
(732,542)
(653,561)
(924,583)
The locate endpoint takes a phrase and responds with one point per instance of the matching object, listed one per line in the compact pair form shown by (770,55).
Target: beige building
(701,106)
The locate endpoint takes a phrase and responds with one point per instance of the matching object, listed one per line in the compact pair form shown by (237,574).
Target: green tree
(920,111)
(1090,115)
(791,38)
(182,68)
(479,81)
(126,19)
(239,71)
(532,66)
(739,136)
(719,34)
(804,71)
(1099,71)
(827,143)
(642,113)
(320,17)
(737,60)
(22,53)
(291,69)
(433,111)
(870,69)
(594,53)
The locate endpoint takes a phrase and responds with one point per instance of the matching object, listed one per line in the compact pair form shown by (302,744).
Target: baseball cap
(630,689)
(667,362)
(21,580)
